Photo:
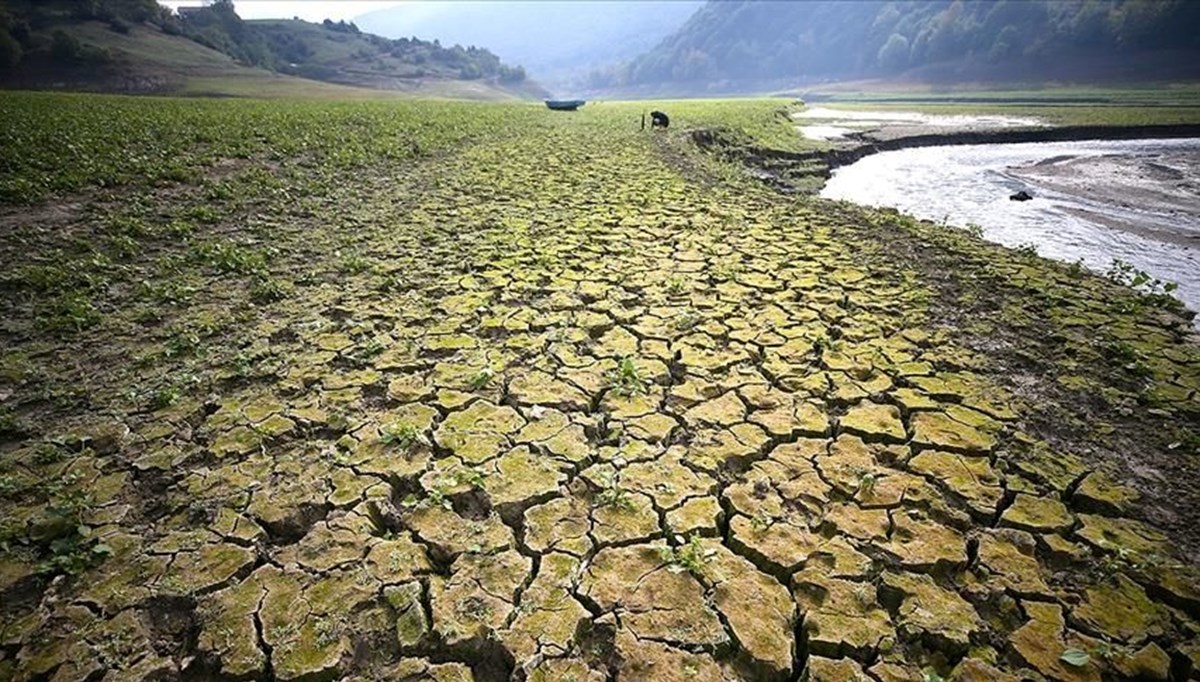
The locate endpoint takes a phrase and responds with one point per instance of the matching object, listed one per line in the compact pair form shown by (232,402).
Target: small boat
(565,104)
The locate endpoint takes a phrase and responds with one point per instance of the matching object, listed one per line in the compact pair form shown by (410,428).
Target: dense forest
(739,40)
(32,30)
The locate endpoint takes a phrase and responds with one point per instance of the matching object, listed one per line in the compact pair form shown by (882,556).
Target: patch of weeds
(71,547)
(974,229)
(362,353)
(625,380)
(182,344)
(69,312)
(203,214)
(48,453)
(689,556)
(267,290)
(165,397)
(327,633)
(167,292)
(1157,292)
(8,485)
(1123,559)
(438,495)
(230,258)
(760,522)
(178,229)
(1026,249)
(930,675)
(675,286)
(1076,269)
(353,264)
(1124,354)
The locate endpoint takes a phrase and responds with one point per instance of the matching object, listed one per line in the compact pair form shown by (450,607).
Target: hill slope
(557,41)
(115,48)
(739,44)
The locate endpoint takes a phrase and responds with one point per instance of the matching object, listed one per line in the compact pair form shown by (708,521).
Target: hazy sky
(310,10)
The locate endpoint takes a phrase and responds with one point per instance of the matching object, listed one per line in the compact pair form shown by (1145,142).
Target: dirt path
(547,410)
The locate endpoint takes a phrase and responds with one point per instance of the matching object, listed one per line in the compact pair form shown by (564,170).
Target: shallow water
(971,184)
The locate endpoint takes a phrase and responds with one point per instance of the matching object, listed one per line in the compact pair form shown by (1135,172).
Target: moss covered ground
(448,391)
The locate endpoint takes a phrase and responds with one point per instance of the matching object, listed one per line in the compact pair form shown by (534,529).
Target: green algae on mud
(914,453)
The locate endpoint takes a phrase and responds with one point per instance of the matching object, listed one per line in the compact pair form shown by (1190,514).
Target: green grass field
(1169,104)
(432,390)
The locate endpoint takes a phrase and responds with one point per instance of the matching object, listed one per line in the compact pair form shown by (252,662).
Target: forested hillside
(101,42)
(742,41)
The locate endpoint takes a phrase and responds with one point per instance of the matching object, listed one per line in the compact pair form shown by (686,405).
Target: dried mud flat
(545,407)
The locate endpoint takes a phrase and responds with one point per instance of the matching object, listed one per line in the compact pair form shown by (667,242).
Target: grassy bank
(307,390)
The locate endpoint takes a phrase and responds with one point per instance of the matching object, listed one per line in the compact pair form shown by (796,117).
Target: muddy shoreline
(836,158)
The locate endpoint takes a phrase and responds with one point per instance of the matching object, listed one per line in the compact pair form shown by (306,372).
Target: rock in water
(1021,196)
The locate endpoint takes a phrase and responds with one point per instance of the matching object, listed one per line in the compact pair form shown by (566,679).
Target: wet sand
(1164,186)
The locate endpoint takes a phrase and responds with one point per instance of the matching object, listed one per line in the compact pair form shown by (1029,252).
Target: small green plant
(266,290)
(48,453)
(403,436)
(613,495)
(974,229)
(625,380)
(690,555)
(1105,650)
(482,379)
(165,397)
(1075,657)
(866,484)
(327,633)
(675,286)
(182,344)
(760,522)
(930,675)
(1027,249)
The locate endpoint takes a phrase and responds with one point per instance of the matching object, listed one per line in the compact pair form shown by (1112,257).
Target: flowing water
(1137,200)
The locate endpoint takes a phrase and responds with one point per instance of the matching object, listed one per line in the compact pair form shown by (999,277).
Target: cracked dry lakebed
(450,391)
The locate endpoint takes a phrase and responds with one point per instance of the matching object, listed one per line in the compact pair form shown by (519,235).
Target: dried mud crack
(540,405)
